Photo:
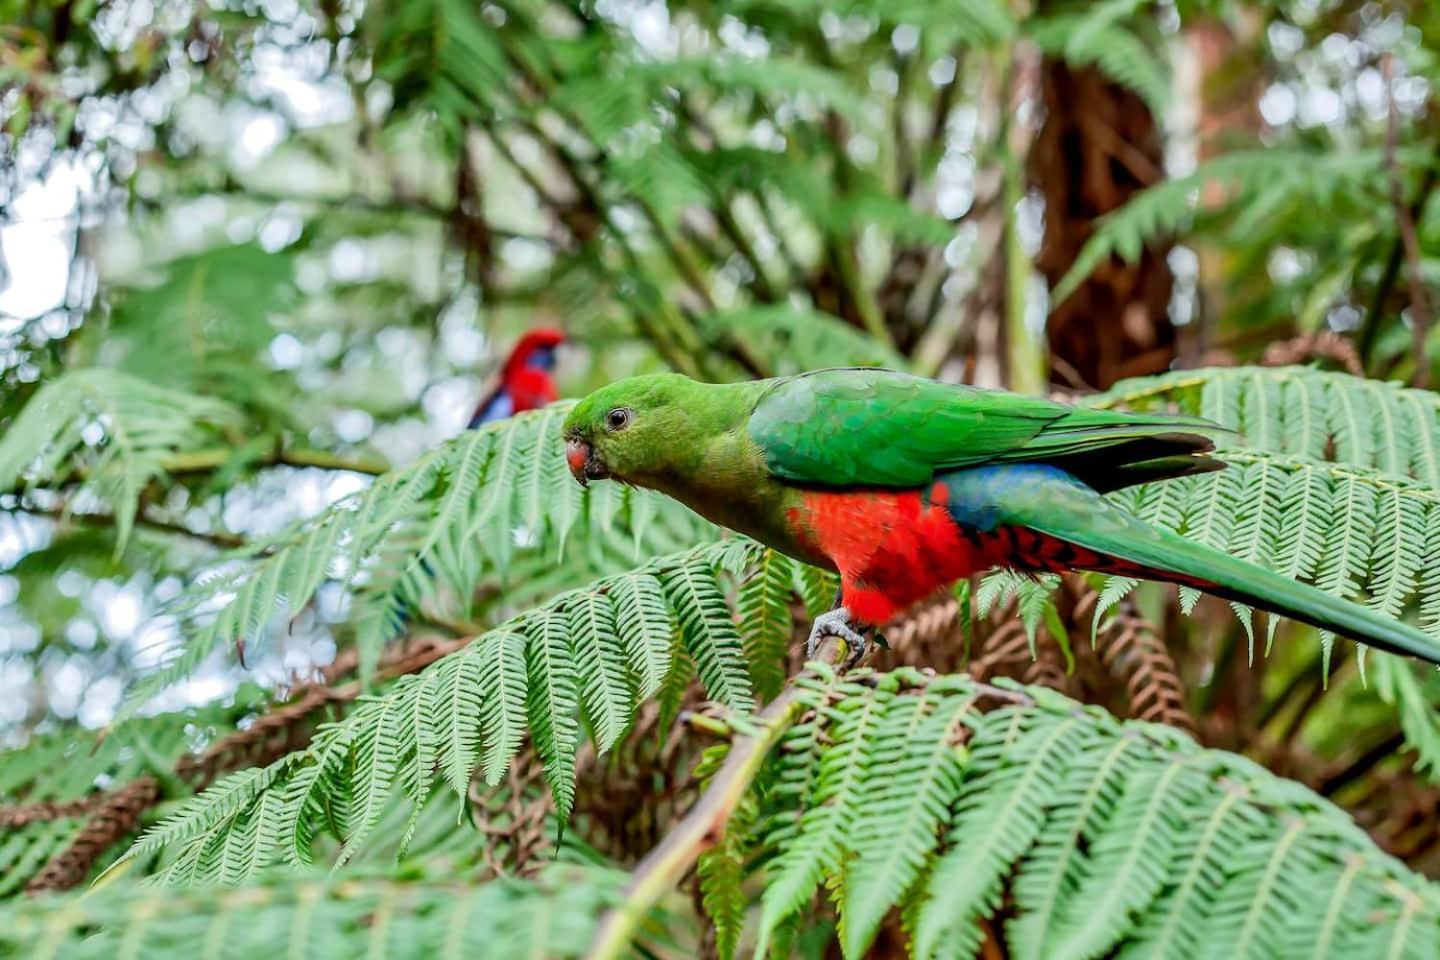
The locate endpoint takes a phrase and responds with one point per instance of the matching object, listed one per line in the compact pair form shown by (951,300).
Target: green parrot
(904,485)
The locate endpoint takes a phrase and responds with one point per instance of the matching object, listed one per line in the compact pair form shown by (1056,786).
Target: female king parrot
(904,485)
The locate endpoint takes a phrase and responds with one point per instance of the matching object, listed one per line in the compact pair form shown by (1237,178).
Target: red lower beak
(577,455)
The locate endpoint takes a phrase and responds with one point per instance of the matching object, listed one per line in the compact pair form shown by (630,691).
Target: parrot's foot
(836,623)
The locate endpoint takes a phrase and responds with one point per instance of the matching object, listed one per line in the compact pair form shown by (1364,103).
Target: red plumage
(525,380)
(921,548)
(526,347)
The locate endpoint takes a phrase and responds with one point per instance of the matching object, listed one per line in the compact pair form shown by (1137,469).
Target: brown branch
(203,461)
(20,815)
(1419,308)
(115,816)
(218,538)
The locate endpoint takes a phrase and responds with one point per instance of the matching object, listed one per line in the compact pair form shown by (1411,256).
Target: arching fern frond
(1303,412)
(1109,836)
(116,430)
(375,915)
(1119,53)
(592,652)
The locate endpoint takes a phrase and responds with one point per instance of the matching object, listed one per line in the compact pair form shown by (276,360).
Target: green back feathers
(873,428)
(865,427)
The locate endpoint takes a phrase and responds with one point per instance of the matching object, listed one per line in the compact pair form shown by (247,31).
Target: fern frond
(428,532)
(1119,53)
(1056,869)
(1262,177)
(120,432)
(990,828)
(897,830)
(1304,413)
(816,849)
(554,699)
(467,710)
(785,340)
(708,631)
(370,915)
(1109,838)
(604,687)
(766,624)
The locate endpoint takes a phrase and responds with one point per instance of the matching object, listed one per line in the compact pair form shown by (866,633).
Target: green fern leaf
(502,691)
(605,690)
(766,628)
(990,828)
(709,632)
(643,620)
(906,802)
(553,699)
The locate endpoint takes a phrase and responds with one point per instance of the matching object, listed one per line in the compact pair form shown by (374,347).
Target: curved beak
(583,466)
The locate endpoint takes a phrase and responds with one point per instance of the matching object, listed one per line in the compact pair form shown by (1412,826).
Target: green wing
(867,427)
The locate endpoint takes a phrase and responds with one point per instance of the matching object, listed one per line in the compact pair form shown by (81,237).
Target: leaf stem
(664,867)
(203,461)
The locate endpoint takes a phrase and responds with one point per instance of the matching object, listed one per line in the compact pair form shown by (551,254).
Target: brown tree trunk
(1099,145)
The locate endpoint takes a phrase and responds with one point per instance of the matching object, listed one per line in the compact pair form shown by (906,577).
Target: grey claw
(836,623)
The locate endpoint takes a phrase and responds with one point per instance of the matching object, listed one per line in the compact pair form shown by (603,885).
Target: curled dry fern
(940,796)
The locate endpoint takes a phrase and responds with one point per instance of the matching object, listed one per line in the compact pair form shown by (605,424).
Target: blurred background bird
(526,379)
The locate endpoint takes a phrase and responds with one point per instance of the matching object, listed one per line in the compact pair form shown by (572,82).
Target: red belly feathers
(893,548)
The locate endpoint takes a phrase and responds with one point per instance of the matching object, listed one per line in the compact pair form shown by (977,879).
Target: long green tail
(1068,510)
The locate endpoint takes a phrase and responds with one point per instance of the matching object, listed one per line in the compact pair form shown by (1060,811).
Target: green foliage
(740,190)
(1335,485)
(427,533)
(1264,182)
(204,324)
(1095,38)
(1358,525)
(471,710)
(784,341)
(285,915)
(116,432)
(938,795)
(68,771)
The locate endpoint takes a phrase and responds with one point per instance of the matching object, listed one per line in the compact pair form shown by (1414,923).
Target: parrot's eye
(618,419)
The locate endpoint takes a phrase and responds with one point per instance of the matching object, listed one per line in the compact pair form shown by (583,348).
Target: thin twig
(665,866)
(203,461)
(217,538)
(1419,309)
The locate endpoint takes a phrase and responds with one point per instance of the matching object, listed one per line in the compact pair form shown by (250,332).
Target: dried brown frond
(1133,651)
(514,819)
(1324,345)
(113,818)
(629,798)
(285,727)
(16,816)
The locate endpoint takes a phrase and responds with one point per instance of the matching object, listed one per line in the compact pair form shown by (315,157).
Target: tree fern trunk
(1098,146)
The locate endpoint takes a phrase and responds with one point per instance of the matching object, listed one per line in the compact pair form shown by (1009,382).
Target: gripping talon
(836,623)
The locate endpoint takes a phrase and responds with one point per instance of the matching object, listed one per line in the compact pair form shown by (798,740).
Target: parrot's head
(632,430)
